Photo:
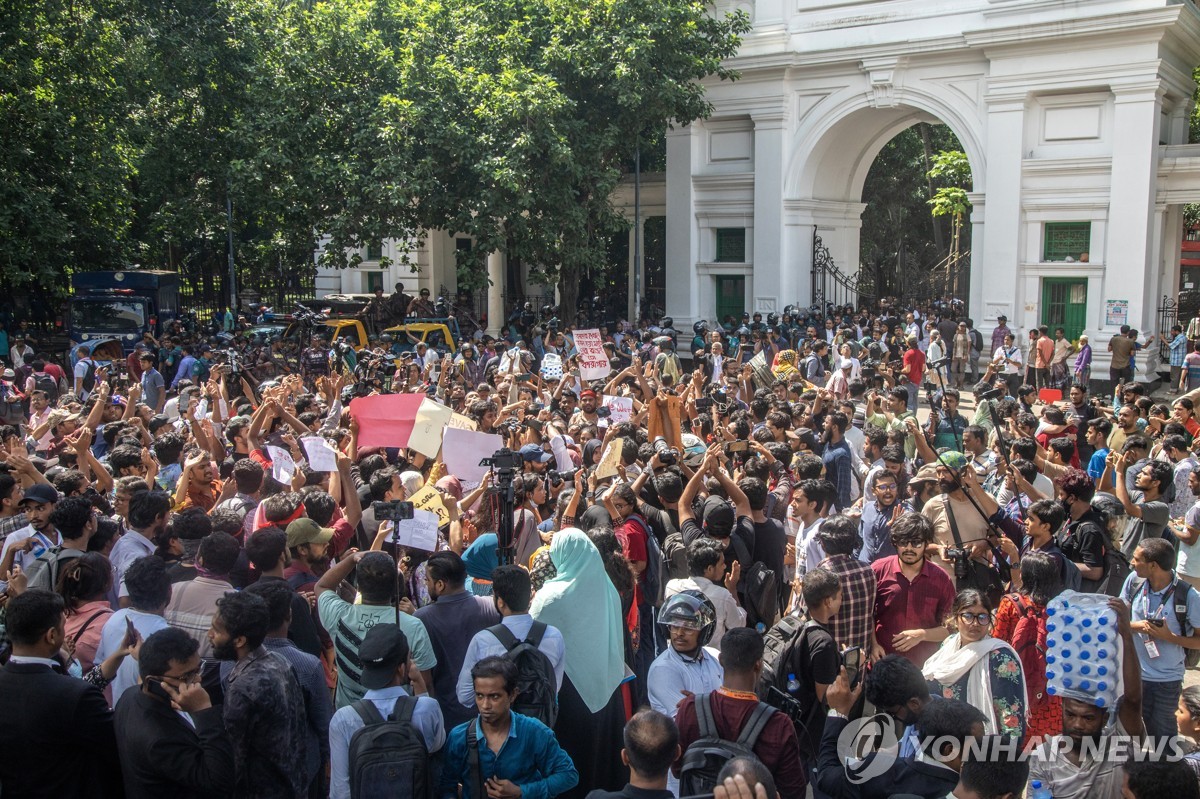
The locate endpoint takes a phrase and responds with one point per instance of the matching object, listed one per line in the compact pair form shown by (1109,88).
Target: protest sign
(620,409)
(611,460)
(430,499)
(463,449)
(593,361)
(428,428)
(322,457)
(283,468)
(385,420)
(419,532)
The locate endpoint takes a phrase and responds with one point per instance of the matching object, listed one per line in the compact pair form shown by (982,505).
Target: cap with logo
(306,531)
(534,453)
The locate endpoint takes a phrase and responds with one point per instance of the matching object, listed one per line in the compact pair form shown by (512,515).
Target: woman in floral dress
(978,669)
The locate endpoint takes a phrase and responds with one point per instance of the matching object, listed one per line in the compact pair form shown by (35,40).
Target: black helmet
(666,321)
(700,328)
(772,319)
(689,609)
(742,331)
(548,310)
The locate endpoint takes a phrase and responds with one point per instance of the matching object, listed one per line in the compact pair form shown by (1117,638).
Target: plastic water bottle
(1066,636)
(1101,637)
(1051,626)
(1101,686)
(1101,671)
(1039,791)
(1085,685)
(793,685)
(1050,674)
(1086,638)
(760,628)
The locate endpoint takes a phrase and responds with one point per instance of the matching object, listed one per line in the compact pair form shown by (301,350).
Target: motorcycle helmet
(691,610)
(700,328)
(773,319)
(742,331)
(666,322)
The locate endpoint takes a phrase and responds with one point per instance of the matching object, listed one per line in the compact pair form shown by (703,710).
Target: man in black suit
(934,775)
(162,752)
(651,746)
(57,736)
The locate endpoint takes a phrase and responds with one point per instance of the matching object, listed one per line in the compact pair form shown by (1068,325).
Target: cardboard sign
(283,468)
(463,449)
(428,428)
(611,460)
(430,499)
(385,420)
(593,361)
(322,457)
(621,409)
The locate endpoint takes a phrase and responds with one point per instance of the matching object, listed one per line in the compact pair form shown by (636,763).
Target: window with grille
(731,245)
(375,251)
(1063,240)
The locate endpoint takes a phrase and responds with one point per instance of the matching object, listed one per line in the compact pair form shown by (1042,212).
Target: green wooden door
(1064,304)
(731,297)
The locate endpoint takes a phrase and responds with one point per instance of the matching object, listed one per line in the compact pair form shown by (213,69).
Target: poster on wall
(1116,313)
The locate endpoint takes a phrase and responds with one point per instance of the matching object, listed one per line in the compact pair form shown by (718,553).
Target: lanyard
(1167,594)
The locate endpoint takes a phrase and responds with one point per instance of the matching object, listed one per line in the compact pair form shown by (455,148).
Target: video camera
(393,511)
(667,455)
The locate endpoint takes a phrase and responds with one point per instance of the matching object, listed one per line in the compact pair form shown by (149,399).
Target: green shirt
(347,625)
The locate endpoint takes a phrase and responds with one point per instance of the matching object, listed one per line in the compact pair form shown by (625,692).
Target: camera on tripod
(667,455)
(394,511)
(504,460)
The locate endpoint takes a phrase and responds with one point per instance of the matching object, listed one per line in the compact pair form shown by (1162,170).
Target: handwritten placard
(593,361)
(428,428)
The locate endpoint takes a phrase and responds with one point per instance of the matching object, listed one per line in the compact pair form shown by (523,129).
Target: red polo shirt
(901,605)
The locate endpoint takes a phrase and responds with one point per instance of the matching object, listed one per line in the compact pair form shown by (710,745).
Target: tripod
(505,465)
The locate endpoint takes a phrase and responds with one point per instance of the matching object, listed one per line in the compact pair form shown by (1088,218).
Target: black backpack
(778,645)
(47,384)
(761,596)
(388,758)
(89,377)
(1116,570)
(537,694)
(709,753)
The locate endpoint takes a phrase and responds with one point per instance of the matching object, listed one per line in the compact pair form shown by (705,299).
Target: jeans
(914,395)
(1159,700)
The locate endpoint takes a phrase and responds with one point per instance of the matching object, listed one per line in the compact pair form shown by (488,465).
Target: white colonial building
(1073,114)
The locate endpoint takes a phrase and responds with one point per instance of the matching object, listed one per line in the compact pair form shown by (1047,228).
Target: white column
(976,222)
(683,246)
(495,269)
(997,283)
(1130,271)
(773,284)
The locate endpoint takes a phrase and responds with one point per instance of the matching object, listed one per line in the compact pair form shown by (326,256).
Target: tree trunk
(568,293)
(939,237)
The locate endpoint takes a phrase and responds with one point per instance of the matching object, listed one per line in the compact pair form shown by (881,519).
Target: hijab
(589,449)
(481,560)
(582,603)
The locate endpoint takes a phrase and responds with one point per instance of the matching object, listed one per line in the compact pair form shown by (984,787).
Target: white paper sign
(620,408)
(419,532)
(552,368)
(593,361)
(322,457)
(510,361)
(283,468)
(432,418)
(611,460)
(463,449)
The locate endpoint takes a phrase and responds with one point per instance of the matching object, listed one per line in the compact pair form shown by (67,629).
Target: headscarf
(481,560)
(451,485)
(412,482)
(582,603)
(785,364)
(589,449)
(954,659)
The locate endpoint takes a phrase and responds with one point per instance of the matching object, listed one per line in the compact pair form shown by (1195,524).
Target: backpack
(12,406)
(706,756)
(47,384)
(779,645)
(1116,570)
(675,557)
(1191,657)
(1029,642)
(45,570)
(89,377)
(536,683)
(388,756)
(761,596)
(976,340)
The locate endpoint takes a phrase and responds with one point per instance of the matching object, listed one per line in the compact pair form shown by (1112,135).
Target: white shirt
(671,674)
(1005,367)
(129,547)
(427,718)
(814,553)
(485,644)
(729,615)
(110,641)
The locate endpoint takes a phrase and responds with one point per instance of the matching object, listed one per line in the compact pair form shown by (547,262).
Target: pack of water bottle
(1083,649)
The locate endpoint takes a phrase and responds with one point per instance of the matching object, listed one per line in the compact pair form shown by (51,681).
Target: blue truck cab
(121,305)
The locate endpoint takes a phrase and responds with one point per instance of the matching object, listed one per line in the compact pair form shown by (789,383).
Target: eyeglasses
(981,619)
(909,544)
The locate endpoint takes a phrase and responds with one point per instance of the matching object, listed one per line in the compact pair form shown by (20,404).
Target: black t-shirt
(770,541)
(1082,541)
(815,659)
(736,546)
(661,522)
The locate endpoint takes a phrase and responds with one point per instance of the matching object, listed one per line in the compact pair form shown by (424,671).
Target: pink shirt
(88,617)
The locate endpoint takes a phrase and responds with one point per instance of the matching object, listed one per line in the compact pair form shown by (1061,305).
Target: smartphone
(524,378)
(852,660)
(737,446)
(154,686)
(1156,622)
(703,403)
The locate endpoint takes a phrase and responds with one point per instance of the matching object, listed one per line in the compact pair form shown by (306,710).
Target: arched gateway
(1072,114)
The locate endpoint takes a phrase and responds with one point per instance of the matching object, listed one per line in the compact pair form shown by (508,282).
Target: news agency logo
(860,738)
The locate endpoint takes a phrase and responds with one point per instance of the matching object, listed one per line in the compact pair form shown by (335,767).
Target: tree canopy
(129,123)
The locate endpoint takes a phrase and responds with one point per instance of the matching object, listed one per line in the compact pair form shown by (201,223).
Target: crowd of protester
(696,599)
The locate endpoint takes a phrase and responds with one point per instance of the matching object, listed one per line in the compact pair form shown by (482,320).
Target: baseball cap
(158,422)
(41,493)
(306,531)
(534,453)
(927,473)
(383,649)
